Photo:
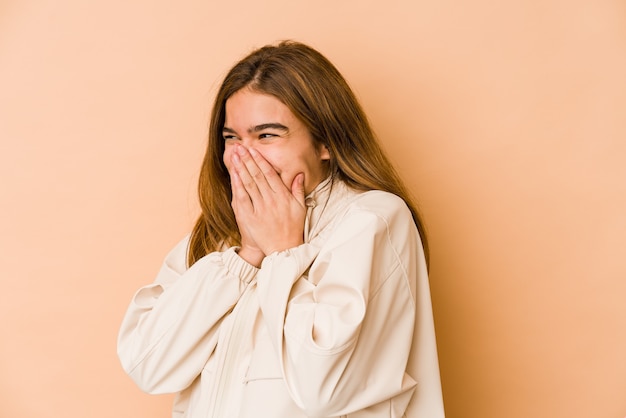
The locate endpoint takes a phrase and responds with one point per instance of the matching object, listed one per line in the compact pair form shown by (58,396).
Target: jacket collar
(319,194)
(323,205)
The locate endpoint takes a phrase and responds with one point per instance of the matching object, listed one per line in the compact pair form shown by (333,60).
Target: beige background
(507,119)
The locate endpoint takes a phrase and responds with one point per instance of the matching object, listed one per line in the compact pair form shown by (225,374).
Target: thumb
(297,188)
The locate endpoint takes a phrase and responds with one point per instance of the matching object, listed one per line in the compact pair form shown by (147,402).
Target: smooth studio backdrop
(507,120)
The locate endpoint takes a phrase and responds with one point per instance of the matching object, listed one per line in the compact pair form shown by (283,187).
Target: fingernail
(241,150)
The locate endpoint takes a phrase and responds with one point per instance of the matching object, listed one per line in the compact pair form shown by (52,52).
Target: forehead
(253,107)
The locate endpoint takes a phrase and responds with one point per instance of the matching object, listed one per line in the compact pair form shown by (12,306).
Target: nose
(239,146)
(238,149)
(246,142)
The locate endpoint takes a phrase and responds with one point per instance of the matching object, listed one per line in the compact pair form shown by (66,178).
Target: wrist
(251,255)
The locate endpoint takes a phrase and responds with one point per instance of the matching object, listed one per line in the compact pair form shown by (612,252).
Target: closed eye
(228,133)
(266,135)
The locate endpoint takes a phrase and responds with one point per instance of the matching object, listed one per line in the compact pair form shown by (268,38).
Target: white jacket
(340,326)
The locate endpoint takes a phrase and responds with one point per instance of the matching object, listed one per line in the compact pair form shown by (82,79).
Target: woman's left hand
(271,212)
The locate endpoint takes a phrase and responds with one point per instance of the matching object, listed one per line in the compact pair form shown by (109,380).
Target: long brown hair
(317,94)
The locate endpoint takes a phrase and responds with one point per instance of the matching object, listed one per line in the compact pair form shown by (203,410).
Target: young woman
(302,290)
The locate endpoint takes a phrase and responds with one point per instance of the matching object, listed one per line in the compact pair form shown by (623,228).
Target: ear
(324,153)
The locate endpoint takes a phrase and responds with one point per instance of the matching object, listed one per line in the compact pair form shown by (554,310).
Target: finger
(246,179)
(297,188)
(272,179)
(240,197)
(252,168)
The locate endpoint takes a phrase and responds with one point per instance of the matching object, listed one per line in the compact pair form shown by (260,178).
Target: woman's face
(261,121)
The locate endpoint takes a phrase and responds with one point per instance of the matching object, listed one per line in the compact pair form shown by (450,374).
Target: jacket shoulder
(383,204)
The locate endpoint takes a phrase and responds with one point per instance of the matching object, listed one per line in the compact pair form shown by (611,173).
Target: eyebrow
(259,128)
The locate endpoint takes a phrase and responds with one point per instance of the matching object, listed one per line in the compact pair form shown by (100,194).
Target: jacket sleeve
(343,332)
(170,327)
